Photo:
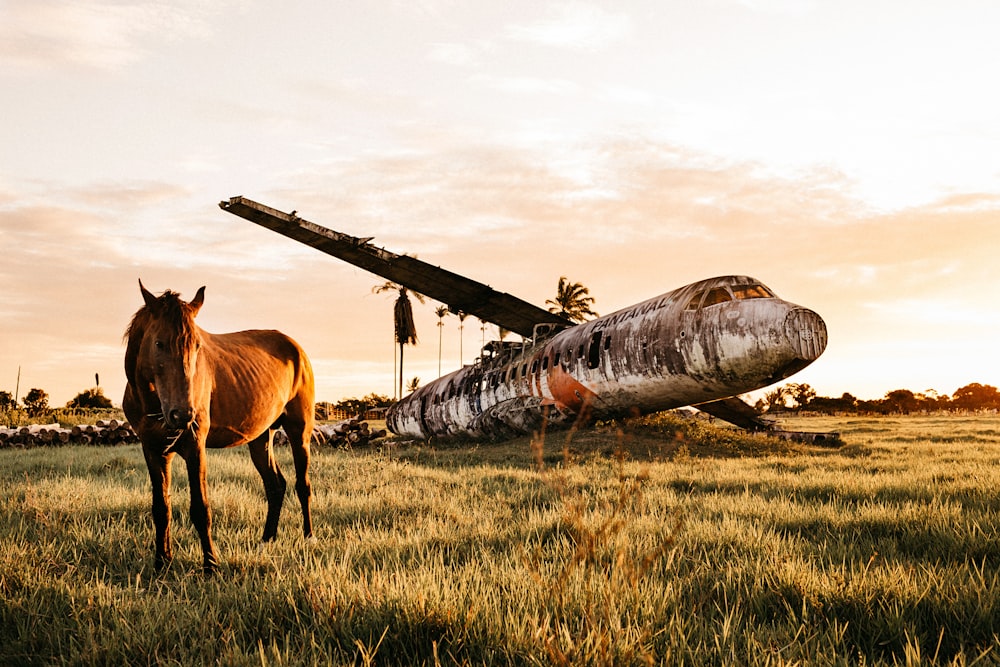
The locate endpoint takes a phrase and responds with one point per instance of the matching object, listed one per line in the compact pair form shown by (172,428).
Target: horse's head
(165,354)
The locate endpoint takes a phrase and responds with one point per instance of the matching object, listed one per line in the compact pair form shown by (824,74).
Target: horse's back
(260,377)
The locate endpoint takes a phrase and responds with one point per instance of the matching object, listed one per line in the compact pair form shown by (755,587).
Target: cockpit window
(693,303)
(716,295)
(752,292)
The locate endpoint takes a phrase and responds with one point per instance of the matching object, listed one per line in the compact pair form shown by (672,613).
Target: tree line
(798,397)
(972,397)
(36,401)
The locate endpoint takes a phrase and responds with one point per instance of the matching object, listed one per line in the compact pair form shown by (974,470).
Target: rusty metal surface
(710,340)
(459,293)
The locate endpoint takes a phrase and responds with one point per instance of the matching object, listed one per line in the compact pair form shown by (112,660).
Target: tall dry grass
(692,546)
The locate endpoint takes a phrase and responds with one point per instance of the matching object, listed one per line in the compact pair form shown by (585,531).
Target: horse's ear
(147,296)
(198,300)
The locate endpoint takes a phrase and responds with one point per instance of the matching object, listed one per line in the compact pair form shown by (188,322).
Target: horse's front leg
(158,465)
(201,515)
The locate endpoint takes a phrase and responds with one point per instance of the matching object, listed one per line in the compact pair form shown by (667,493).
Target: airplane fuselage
(710,340)
(702,345)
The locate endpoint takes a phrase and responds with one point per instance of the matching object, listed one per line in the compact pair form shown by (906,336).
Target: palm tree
(572,301)
(404,327)
(461,337)
(440,311)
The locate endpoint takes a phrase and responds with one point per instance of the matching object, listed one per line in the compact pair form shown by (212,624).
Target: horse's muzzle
(180,418)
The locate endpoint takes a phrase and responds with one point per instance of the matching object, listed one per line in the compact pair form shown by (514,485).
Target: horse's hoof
(210,566)
(311,539)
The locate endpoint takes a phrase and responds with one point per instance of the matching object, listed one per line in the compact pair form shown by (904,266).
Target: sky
(845,153)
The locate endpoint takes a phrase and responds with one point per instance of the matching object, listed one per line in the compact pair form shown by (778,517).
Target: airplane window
(693,303)
(555,362)
(594,358)
(545,362)
(752,292)
(715,296)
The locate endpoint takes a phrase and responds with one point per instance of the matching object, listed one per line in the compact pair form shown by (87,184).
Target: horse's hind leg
(274,483)
(299,433)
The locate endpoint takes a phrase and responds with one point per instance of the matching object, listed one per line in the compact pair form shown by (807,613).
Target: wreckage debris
(354,432)
(109,432)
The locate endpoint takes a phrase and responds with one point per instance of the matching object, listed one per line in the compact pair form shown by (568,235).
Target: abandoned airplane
(701,345)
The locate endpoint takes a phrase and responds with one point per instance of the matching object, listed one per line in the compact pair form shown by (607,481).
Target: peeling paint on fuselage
(709,340)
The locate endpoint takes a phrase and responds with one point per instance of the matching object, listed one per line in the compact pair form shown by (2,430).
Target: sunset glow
(846,154)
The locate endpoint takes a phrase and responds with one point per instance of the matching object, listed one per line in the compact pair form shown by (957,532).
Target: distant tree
(573,301)
(848,399)
(846,403)
(402,315)
(802,394)
(361,405)
(976,396)
(7,401)
(441,312)
(412,385)
(36,402)
(929,400)
(461,337)
(90,398)
(903,401)
(777,397)
(879,407)
(378,400)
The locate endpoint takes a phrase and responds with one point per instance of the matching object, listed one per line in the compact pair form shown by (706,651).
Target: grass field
(694,547)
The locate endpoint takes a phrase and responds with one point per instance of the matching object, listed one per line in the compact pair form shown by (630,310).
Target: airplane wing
(735,411)
(459,293)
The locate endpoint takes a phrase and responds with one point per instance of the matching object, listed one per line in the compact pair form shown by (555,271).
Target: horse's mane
(168,306)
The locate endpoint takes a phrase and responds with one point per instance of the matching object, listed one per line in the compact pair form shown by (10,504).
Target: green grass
(694,546)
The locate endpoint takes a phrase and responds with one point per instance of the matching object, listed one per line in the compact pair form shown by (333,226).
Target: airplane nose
(806,331)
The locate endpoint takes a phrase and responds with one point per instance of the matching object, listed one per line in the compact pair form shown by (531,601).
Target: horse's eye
(159,344)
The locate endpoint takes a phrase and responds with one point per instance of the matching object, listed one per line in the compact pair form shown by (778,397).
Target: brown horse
(189,389)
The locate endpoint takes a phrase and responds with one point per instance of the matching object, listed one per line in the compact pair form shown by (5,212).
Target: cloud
(459,54)
(130,196)
(91,33)
(527,85)
(575,26)
(792,7)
